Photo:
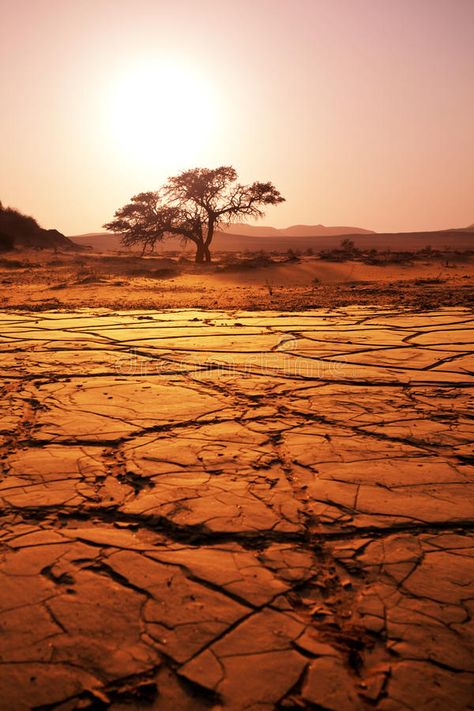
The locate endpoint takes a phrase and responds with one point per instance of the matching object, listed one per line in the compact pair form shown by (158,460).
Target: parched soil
(229,510)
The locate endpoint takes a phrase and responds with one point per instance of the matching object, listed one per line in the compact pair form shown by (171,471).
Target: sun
(162,112)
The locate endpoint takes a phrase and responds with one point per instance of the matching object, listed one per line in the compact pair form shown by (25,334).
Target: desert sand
(38,280)
(232,509)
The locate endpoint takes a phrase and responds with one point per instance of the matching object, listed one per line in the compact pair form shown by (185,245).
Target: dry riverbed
(214,510)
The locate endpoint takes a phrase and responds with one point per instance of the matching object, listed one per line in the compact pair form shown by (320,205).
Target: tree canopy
(191,205)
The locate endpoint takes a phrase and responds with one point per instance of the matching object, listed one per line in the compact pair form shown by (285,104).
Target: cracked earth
(210,510)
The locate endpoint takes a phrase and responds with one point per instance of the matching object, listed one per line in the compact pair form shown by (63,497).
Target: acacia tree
(191,205)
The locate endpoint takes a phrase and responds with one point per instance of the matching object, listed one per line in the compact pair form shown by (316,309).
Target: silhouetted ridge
(18,230)
(242,228)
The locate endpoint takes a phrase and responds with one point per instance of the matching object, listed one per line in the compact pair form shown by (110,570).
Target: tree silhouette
(191,205)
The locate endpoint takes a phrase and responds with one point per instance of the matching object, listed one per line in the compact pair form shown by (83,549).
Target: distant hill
(230,242)
(100,241)
(410,241)
(18,230)
(242,228)
(105,241)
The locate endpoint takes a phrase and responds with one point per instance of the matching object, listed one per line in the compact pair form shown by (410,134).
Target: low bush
(256,262)
(13,264)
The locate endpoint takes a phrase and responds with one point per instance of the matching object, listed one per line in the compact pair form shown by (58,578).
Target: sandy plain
(38,280)
(234,509)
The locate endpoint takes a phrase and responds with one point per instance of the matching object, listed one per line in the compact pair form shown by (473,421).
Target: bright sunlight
(162,112)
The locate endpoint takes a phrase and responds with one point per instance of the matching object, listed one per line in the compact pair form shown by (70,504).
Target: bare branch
(192,205)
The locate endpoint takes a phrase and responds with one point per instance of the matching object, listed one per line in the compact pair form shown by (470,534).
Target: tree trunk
(207,243)
(199,253)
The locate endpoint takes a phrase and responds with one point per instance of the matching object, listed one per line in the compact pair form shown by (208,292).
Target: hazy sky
(360,111)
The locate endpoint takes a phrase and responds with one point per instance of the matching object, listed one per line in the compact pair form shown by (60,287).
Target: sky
(361,112)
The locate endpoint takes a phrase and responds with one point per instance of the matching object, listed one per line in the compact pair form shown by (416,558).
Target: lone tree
(191,205)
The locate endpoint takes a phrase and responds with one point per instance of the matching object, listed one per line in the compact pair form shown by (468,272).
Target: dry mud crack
(204,510)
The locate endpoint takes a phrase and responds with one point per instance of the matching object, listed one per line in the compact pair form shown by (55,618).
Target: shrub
(13,264)
(292,255)
(244,264)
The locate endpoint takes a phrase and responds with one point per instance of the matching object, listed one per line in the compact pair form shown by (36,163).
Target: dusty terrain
(38,280)
(235,510)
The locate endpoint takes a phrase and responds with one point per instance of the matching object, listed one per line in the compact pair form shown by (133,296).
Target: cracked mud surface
(204,510)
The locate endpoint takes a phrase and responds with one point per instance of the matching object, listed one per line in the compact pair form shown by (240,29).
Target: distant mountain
(100,241)
(230,242)
(241,228)
(410,241)
(18,230)
(105,241)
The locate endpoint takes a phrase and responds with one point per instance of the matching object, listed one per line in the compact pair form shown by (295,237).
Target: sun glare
(162,112)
